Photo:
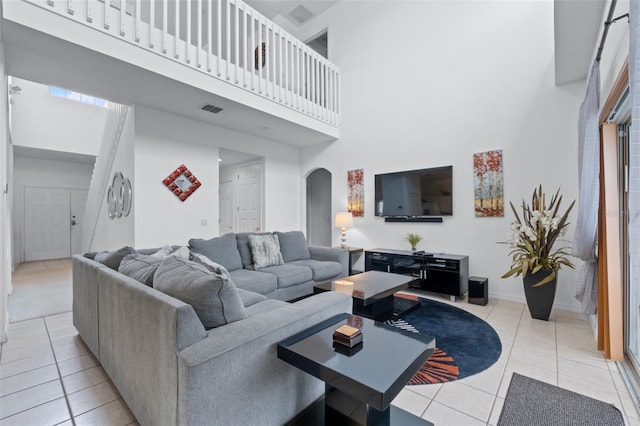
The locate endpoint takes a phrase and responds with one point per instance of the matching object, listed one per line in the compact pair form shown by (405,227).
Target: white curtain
(588,184)
(634,143)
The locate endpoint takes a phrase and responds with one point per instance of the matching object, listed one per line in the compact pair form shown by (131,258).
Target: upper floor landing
(179,56)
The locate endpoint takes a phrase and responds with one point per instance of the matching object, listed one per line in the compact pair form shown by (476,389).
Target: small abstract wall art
(488,183)
(355,198)
(182,182)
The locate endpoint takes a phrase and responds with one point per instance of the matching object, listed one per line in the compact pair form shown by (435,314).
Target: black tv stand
(438,272)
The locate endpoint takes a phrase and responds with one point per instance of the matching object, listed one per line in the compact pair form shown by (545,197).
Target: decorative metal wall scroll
(182,182)
(119,196)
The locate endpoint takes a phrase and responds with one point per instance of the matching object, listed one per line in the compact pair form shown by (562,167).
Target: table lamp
(343,220)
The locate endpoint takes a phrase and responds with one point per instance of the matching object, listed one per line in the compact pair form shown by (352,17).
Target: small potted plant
(413,239)
(533,255)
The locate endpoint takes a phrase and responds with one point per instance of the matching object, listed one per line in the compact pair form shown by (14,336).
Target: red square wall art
(182,182)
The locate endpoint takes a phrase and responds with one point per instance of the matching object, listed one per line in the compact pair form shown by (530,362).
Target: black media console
(437,272)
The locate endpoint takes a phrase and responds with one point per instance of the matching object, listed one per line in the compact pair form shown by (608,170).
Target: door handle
(73,220)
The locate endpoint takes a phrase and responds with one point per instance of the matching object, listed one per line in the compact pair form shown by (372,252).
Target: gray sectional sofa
(168,367)
(304,266)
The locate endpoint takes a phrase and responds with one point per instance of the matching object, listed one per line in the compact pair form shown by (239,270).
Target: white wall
(428,84)
(164,141)
(38,172)
(59,124)
(111,234)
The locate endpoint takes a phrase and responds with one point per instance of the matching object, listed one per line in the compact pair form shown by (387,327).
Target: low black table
(373,374)
(372,294)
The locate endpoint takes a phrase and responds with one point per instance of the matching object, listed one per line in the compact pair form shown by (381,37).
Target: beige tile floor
(48,376)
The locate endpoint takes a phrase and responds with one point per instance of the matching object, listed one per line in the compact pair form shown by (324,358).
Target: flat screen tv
(415,193)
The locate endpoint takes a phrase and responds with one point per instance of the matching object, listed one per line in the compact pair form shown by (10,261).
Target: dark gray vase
(540,299)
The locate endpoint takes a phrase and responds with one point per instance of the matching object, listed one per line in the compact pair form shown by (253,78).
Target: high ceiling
(577,25)
(297,12)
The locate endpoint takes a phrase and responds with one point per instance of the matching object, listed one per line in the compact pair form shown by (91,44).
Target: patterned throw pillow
(265,250)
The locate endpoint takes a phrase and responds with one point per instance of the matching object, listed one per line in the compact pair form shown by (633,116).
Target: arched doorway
(319,208)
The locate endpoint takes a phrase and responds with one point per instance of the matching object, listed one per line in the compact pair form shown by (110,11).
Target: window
(69,94)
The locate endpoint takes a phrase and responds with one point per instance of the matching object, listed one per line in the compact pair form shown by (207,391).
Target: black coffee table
(373,294)
(373,374)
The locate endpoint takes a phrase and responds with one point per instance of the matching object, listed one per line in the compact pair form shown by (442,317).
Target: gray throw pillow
(140,267)
(214,298)
(222,250)
(293,246)
(112,259)
(214,267)
(265,250)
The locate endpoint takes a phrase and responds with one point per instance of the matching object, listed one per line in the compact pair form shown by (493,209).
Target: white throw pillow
(265,250)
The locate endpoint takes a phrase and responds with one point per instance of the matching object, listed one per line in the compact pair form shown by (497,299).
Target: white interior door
(249,197)
(226,207)
(78,203)
(46,223)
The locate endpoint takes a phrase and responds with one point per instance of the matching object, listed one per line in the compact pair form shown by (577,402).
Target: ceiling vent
(211,108)
(301,14)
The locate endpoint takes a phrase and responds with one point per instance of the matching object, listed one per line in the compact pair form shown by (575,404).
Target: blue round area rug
(465,344)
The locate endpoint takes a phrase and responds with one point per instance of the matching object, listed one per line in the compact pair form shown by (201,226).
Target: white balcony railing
(226,39)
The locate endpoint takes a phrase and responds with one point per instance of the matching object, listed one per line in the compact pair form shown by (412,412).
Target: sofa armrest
(332,254)
(241,359)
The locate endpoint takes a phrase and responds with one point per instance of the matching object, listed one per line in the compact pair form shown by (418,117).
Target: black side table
(354,255)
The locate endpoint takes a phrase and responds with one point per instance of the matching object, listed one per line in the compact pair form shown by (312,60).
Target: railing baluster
(259,55)
(107,15)
(286,70)
(270,63)
(236,19)
(71,8)
(245,41)
(176,53)
(280,73)
(199,38)
(165,26)
(299,77)
(209,35)
(123,13)
(152,23)
(138,31)
(89,10)
(188,42)
(219,35)
(323,76)
(228,38)
(251,65)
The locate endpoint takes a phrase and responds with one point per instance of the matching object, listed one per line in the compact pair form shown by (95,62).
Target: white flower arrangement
(532,238)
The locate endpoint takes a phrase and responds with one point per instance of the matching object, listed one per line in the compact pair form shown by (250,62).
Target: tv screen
(424,192)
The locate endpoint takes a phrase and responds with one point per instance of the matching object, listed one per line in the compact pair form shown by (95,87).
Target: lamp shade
(344,220)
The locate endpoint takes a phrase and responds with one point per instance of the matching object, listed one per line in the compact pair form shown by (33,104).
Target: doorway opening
(241,192)
(320,44)
(319,208)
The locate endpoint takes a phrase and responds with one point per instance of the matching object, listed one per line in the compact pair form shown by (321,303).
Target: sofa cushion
(293,246)
(142,267)
(321,270)
(265,250)
(222,250)
(289,274)
(214,298)
(250,298)
(112,259)
(259,282)
(242,242)
(216,268)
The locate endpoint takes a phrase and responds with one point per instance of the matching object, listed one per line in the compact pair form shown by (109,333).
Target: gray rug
(532,402)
